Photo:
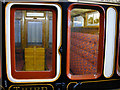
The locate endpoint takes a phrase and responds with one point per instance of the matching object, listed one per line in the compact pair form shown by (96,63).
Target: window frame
(101,42)
(25,76)
(110,44)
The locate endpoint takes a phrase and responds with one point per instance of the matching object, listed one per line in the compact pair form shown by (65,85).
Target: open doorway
(33,40)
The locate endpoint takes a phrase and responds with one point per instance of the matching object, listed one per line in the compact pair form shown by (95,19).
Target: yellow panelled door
(35,53)
(34,59)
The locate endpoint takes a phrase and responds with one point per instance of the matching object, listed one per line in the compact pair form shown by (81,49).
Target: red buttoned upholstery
(83,53)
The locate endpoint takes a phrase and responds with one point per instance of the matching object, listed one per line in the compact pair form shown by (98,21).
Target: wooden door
(35,51)
(35,33)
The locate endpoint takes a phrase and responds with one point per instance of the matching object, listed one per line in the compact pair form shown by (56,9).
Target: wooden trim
(85,20)
(43,34)
(47,31)
(32,74)
(101,42)
(23,29)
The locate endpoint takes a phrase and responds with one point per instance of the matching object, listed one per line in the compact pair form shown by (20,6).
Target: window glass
(78,21)
(84,42)
(33,40)
(110,44)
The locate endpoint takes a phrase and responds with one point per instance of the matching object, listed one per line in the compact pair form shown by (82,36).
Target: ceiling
(76,11)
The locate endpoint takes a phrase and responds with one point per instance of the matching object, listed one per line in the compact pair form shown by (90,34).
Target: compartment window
(83,51)
(33,40)
(84,44)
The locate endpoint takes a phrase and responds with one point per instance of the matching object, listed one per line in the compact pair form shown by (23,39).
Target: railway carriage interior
(84,41)
(33,40)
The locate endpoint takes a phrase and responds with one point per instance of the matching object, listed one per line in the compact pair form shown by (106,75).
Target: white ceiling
(77,11)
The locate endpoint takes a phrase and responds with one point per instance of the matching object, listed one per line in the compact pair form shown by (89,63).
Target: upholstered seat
(84,53)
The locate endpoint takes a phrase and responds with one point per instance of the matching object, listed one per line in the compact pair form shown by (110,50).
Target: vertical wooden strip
(47,30)
(34,60)
(43,33)
(23,31)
